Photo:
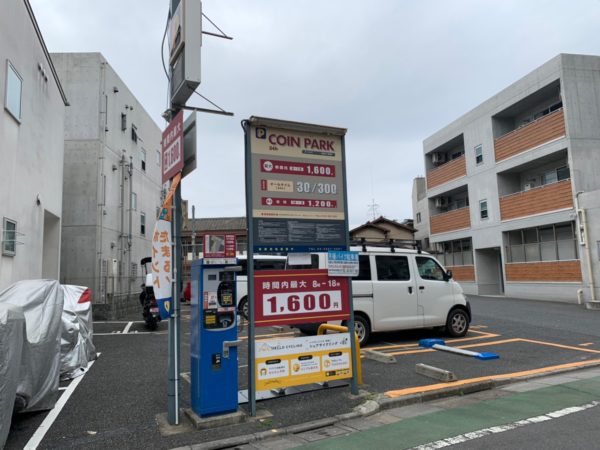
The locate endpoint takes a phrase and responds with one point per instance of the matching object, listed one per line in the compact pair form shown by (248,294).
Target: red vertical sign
(172,148)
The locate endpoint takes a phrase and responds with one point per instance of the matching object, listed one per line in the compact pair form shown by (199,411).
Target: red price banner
(285,297)
(297,168)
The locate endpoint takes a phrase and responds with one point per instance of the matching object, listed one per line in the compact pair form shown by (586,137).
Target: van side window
(429,269)
(244,264)
(269,264)
(364,268)
(392,268)
(314,264)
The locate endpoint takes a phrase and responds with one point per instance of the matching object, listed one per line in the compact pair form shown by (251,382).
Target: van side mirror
(448,275)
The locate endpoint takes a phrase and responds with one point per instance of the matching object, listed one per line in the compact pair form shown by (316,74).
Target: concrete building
(112,183)
(511,199)
(31,149)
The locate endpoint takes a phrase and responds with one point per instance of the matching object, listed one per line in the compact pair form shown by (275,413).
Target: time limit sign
(286,297)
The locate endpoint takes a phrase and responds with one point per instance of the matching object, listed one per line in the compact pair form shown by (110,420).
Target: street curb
(373,406)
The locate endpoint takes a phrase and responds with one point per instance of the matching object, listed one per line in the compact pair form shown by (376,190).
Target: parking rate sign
(297,187)
(172,148)
(286,297)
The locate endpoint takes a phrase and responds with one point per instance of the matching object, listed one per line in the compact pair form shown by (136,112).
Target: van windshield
(262,264)
(314,264)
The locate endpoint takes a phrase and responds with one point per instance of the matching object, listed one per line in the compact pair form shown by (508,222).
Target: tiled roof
(217,224)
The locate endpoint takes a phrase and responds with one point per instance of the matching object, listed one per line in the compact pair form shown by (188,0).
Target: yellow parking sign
(282,363)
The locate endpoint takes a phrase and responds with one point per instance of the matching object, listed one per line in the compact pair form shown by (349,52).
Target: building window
(133,201)
(483,209)
(456,253)
(123,121)
(158,158)
(545,243)
(9,237)
(134,135)
(14,88)
(142,224)
(418,217)
(554,175)
(478,155)
(143,159)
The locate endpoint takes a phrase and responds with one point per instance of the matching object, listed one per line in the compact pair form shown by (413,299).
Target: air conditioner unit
(441,202)
(438,158)
(527,186)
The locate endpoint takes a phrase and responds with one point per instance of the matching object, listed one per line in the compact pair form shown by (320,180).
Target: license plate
(153,310)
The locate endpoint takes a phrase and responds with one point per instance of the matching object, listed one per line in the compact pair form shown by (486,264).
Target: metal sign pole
(250,270)
(174,329)
(354,382)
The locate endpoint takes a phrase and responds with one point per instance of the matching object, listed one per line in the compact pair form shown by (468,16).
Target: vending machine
(214,368)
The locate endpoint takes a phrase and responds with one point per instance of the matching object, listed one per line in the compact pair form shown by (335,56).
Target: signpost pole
(353,349)
(174,335)
(250,269)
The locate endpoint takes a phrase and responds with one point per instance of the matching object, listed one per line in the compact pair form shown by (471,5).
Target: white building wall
(579,79)
(31,150)
(103,166)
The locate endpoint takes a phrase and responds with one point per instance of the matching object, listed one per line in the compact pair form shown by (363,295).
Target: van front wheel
(362,329)
(457,324)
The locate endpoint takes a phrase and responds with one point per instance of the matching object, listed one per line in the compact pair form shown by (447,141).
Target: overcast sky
(390,71)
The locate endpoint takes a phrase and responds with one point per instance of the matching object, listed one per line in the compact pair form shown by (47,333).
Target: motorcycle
(150,310)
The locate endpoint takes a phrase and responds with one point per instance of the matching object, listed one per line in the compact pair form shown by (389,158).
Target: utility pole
(184,42)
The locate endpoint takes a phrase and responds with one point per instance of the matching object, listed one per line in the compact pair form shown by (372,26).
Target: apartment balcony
(458,219)
(545,129)
(539,200)
(545,271)
(452,170)
(463,273)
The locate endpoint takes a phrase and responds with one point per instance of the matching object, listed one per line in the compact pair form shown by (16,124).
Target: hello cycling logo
(261,133)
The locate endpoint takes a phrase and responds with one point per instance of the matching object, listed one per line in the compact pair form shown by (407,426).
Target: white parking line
(134,333)
(39,434)
(117,321)
(127,327)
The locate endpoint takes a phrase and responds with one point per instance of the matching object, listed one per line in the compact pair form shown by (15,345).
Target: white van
(400,289)
(261,262)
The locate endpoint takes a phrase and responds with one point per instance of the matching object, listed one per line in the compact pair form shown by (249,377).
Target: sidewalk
(423,423)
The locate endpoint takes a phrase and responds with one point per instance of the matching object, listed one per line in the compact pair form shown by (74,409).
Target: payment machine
(214,371)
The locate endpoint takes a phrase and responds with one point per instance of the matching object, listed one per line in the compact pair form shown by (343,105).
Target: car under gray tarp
(77,347)
(12,335)
(42,305)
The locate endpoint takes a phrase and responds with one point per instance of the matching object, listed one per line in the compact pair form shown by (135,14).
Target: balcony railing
(544,272)
(539,200)
(538,132)
(462,273)
(457,219)
(450,171)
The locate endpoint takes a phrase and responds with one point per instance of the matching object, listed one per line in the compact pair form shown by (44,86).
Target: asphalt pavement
(118,402)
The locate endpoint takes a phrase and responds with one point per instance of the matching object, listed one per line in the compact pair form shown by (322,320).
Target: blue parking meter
(214,371)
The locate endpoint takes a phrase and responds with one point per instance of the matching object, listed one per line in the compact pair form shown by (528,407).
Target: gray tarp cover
(12,334)
(76,345)
(42,304)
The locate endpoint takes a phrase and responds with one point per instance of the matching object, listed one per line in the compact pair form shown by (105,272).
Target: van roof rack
(392,244)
